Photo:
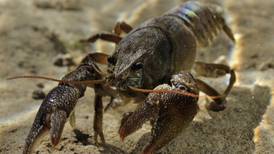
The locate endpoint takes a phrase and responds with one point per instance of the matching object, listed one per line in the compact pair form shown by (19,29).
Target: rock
(268,64)
(40,85)
(64,60)
(58,4)
(38,94)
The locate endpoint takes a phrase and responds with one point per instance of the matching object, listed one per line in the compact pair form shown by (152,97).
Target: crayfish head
(142,60)
(127,79)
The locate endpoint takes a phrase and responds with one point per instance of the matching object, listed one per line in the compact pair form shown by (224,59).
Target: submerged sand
(33,33)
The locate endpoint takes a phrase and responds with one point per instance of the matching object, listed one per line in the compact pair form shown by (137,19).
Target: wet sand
(33,33)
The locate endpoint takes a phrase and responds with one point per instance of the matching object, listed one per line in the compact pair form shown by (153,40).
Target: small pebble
(64,60)
(13,130)
(38,94)
(254,56)
(40,85)
(266,65)
(21,64)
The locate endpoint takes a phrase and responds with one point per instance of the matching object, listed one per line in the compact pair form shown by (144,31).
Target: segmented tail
(206,22)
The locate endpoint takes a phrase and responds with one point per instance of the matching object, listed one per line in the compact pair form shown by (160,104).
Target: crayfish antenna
(85,82)
(163,91)
(33,77)
(170,91)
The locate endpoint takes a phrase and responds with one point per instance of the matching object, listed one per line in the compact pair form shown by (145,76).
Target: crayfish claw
(132,121)
(72,120)
(164,130)
(52,116)
(174,116)
(38,130)
(123,131)
(58,120)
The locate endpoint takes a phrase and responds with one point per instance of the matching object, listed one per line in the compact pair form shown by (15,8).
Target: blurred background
(41,37)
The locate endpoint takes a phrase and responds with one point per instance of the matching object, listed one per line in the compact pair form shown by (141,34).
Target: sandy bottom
(34,33)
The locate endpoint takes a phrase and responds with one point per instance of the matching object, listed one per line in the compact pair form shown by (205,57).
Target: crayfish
(152,65)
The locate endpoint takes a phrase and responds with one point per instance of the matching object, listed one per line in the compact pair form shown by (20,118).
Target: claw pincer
(52,114)
(170,113)
(57,106)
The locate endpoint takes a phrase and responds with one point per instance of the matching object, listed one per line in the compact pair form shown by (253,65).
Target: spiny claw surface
(132,121)
(52,115)
(58,120)
(170,112)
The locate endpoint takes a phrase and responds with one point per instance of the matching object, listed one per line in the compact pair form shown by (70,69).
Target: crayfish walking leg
(114,38)
(214,70)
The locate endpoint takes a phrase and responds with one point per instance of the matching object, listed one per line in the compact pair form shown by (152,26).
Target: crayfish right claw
(58,120)
(36,133)
(52,116)
(44,122)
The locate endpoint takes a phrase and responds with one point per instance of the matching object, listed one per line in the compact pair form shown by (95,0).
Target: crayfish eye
(112,60)
(137,66)
(183,88)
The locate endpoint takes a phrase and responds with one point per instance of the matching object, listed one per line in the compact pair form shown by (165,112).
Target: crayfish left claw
(175,114)
(171,112)
(132,121)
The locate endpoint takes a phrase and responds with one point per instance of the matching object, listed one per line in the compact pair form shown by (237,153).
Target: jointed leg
(122,27)
(103,36)
(114,38)
(98,119)
(109,104)
(214,70)
(218,104)
(211,70)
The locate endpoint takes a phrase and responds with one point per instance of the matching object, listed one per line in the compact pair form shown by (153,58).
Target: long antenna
(55,80)
(169,91)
